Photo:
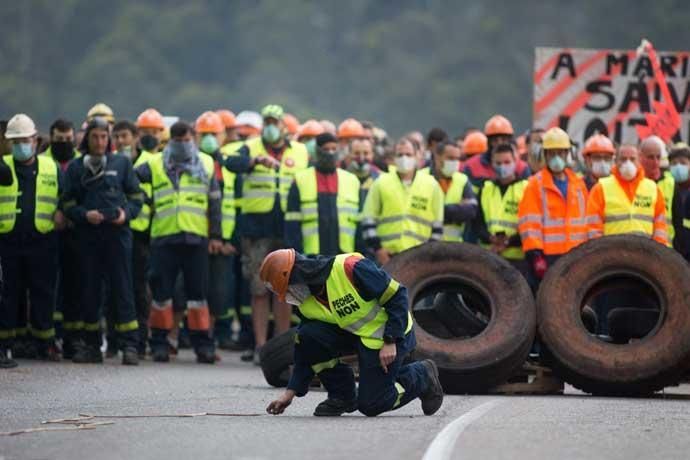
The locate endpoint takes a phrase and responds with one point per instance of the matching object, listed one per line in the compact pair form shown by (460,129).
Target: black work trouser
(106,254)
(29,265)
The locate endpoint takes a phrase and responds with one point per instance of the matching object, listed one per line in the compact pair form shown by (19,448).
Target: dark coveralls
(105,249)
(319,344)
(184,253)
(29,262)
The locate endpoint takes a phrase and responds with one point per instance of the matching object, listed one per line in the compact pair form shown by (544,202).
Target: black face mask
(148,142)
(62,151)
(326,162)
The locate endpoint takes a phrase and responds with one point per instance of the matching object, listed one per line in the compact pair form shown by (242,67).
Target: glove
(539,266)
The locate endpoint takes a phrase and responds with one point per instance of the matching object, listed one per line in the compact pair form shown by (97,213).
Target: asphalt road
(572,426)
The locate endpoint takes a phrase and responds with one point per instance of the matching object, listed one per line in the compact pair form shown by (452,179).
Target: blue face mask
(271,134)
(680,172)
(22,151)
(556,164)
(208,144)
(505,171)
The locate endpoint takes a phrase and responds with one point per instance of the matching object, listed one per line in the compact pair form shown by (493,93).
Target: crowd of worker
(152,233)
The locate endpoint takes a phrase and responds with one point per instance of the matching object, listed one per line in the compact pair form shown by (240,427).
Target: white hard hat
(20,126)
(249,118)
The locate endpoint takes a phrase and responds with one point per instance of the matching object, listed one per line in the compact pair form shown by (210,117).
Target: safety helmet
(349,129)
(229,120)
(20,126)
(310,128)
(150,118)
(273,111)
(291,123)
(249,123)
(475,143)
(498,125)
(209,122)
(598,144)
(556,138)
(275,271)
(100,110)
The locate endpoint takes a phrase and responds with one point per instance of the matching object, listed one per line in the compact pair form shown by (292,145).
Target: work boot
(69,348)
(19,349)
(5,361)
(247,355)
(432,398)
(160,355)
(48,352)
(130,357)
(25,349)
(111,351)
(228,344)
(205,356)
(88,354)
(333,407)
(183,341)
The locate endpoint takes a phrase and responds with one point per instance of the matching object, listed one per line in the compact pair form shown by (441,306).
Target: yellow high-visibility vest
(501,212)
(622,216)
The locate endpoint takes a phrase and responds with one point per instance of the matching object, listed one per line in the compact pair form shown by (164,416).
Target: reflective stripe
(43,335)
(8,199)
(320,367)
(390,220)
(92,327)
(390,291)
(42,215)
(191,188)
(555,238)
(360,323)
(660,234)
(166,213)
(580,236)
(192,210)
(595,234)
(47,199)
(421,220)
(196,303)
(126,327)
(293,216)
(348,231)
(686,223)
(531,234)
(368,221)
(503,223)
(395,236)
(258,194)
(259,178)
(592,220)
(401,391)
(578,221)
(348,210)
(550,223)
(7,334)
(57,316)
(158,194)
(73,325)
(530,218)
(306,232)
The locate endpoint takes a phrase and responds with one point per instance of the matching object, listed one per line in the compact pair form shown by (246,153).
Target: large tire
(592,365)
(277,358)
(478,363)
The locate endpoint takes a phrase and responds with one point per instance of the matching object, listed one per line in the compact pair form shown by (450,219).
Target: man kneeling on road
(348,304)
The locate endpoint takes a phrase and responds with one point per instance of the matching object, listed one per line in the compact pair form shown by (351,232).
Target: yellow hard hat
(100,110)
(556,138)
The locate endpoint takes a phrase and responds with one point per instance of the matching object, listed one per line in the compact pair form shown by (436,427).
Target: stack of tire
(476,317)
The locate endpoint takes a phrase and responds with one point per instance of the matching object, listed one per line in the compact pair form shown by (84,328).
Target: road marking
(442,445)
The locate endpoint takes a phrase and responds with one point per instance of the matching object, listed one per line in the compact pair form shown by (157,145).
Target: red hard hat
(350,128)
(498,125)
(228,118)
(598,144)
(275,271)
(209,122)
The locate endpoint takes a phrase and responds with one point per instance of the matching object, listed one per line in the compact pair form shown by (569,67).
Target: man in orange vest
(551,215)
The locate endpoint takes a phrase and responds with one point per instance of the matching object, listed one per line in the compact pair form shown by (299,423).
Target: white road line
(441,447)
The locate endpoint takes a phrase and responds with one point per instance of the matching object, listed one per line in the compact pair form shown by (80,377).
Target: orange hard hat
(310,128)
(209,122)
(475,143)
(150,118)
(291,123)
(598,144)
(521,145)
(275,271)
(498,125)
(350,128)
(228,118)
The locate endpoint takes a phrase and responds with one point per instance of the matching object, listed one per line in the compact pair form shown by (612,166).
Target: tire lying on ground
(488,285)
(633,266)
(277,358)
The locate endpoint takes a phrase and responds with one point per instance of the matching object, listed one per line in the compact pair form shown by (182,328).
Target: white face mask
(628,170)
(601,168)
(405,164)
(450,167)
(297,294)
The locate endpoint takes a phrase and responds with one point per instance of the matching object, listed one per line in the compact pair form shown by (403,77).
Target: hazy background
(405,64)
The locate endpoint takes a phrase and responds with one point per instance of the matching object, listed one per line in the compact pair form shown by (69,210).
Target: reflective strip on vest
(228,204)
(407,215)
(347,201)
(454,232)
(501,213)
(623,216)
(262,185)
(46,196)
(182,210)
(348,310)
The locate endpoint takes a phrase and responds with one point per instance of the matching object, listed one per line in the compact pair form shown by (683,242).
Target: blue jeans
(320,344)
